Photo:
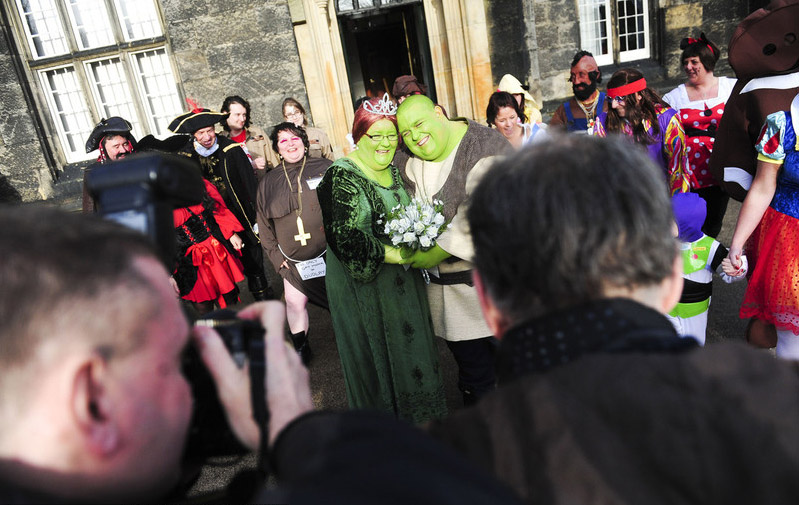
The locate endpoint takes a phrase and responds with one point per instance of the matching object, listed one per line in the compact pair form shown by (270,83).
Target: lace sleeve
(349,218)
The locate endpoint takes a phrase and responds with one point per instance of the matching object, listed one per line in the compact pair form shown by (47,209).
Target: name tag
(313,182)
(312,269)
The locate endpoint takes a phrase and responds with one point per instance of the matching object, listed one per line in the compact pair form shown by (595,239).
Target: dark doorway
(384,43)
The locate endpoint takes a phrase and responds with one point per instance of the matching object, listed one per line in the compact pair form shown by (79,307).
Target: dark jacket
(628,423)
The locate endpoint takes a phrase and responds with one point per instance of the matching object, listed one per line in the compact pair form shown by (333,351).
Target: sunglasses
(620,100)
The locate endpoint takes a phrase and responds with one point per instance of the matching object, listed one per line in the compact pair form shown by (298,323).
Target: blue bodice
(786,197)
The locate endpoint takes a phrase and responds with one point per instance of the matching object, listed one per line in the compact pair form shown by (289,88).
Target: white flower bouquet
(416,225)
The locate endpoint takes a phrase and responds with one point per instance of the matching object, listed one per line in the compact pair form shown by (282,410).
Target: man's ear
(496,321)
(92,409)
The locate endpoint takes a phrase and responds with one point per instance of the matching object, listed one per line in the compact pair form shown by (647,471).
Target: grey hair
(559,223)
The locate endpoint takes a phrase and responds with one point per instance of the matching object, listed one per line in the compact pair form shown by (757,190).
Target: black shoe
(302,346)
(259,288)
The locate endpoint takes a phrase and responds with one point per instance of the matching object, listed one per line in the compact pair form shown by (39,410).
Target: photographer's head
(91,390)
(569,221)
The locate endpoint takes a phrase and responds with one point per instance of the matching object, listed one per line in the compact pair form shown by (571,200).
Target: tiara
(384,107)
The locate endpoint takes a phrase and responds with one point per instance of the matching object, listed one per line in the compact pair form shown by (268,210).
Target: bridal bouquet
(416,225)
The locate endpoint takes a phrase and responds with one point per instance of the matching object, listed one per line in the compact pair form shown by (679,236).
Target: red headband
(628,89)
(701,41)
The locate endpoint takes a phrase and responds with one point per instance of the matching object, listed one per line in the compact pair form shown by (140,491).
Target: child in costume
(207,267)
(701,256)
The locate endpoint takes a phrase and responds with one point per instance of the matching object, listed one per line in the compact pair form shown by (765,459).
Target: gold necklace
(589,114)
(302,236)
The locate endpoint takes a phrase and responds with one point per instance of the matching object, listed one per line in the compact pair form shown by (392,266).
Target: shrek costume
(380,314)
(449,158)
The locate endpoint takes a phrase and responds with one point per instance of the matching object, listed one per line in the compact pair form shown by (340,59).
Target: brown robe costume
(277,222)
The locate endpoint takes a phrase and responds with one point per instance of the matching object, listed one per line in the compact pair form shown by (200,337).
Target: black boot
(259,287)
(303,346)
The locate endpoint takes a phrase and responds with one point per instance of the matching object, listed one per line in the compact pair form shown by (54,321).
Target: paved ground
(328,385)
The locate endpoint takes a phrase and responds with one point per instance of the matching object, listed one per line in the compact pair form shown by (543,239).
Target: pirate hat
(195,120)
(114,124)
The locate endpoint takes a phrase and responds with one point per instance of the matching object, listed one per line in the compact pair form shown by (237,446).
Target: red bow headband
(628,89)
(701,40)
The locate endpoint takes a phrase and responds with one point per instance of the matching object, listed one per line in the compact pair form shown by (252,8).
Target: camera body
(210,434)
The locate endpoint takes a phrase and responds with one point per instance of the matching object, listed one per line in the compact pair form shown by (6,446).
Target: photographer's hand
(288,391)
(232,385)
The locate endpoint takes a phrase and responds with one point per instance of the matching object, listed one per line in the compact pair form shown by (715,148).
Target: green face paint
(376,148)
(424,130)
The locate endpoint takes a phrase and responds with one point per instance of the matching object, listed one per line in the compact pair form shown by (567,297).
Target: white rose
(425,242)
(418,227)
(396,239)
(438,220)
(409,238)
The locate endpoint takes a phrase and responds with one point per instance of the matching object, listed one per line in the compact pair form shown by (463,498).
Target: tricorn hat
(114,124)
(195,120)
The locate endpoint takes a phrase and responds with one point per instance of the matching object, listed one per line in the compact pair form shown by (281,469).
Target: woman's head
(239,113)
(503,100)
(369,113)
(289,141)
(701,48)
(374,131)
(629,99)
(294,112)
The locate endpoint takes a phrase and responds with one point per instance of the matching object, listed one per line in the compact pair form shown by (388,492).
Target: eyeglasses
(618,99)
(296,113)
(379,138)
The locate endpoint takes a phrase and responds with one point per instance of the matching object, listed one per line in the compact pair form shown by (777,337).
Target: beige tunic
(455,308)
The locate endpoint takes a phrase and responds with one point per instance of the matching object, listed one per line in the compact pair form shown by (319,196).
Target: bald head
(425,129)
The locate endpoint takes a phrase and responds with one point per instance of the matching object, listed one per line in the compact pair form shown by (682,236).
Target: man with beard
(575,114)
(225,165)
(113,138)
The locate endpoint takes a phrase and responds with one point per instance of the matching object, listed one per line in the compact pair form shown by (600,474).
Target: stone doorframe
(458,37)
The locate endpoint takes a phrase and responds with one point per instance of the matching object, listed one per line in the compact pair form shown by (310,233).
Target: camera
(209,434)
(141,192)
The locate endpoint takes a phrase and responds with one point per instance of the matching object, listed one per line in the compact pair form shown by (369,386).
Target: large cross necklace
(302,236)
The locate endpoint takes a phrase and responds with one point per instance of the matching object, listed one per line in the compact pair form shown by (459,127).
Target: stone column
(325,73)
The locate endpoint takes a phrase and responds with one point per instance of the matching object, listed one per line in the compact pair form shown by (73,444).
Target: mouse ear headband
(684,43)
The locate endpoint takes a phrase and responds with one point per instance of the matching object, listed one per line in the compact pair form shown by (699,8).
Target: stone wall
(24,174)
(557,35)
(506,28)
(680,18)
(244,48)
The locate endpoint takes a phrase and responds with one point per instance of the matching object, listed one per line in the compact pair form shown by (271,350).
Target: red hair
(365,119)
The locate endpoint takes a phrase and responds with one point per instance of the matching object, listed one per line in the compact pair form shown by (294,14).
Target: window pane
(112,92)
(344,5)
(90,23)
(158,89)
(594,28)
(138,18)
(630,24)
(68,110)
(42,27)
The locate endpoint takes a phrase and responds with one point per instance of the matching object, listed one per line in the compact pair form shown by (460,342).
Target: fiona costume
(773,248)
(380,314)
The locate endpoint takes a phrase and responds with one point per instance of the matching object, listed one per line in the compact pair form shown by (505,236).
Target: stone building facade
(65,65)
